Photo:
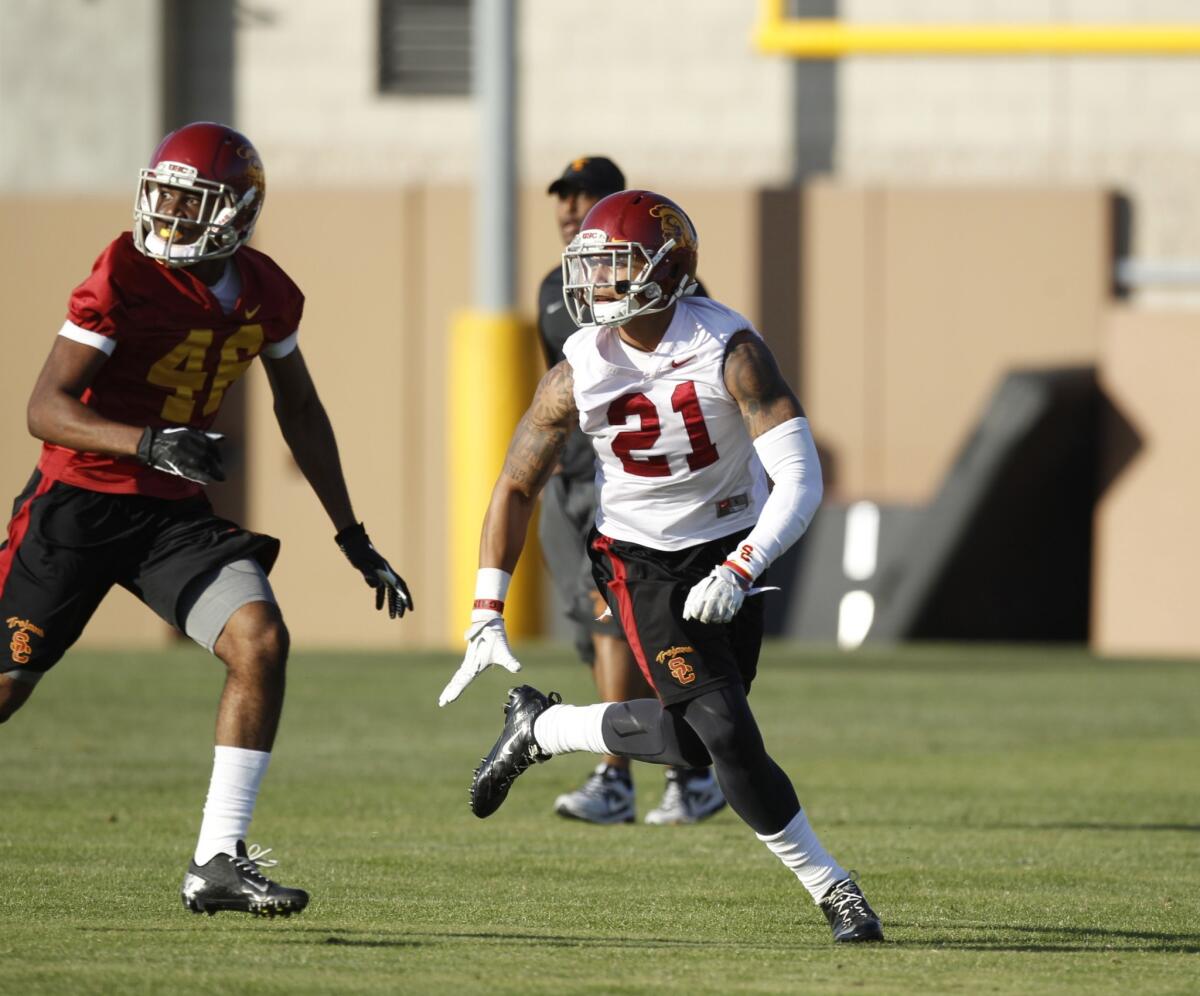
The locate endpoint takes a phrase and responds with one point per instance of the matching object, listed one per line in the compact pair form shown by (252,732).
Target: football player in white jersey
(689,416)
(568,512)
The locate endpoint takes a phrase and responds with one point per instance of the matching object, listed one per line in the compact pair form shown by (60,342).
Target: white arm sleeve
(789,456)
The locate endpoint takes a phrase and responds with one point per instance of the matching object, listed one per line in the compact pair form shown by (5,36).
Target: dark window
(425,47)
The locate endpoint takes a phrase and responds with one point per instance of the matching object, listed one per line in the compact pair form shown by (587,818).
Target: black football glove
(184,452)
(376,571)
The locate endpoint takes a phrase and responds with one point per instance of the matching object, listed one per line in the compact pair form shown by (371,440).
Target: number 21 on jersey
(186,373)
(684,402)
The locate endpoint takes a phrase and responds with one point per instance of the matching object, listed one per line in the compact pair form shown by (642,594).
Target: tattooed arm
(752,376)
(530,461)
(784,445)
(532,456)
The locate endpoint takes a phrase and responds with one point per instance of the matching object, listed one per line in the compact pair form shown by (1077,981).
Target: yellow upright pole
(493,359)
(492,375)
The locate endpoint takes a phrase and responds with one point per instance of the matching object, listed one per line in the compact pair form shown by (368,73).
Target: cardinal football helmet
(635,254)
(215,164)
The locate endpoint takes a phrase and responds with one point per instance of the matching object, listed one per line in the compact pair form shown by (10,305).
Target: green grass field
(1024,821)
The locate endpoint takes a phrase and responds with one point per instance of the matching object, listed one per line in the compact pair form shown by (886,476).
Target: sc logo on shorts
(19,644)
(677,664)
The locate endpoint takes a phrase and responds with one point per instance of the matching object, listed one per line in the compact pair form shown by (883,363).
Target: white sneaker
(692,795)
(606,797)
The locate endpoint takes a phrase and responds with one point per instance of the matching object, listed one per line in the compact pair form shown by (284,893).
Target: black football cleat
(849,916)
(515,751)
(236,883)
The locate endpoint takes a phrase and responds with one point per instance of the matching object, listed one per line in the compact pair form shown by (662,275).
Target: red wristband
(741,572)
(489,603)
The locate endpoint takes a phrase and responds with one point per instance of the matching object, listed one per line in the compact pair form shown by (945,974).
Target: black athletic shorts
(67,547)
(646,589)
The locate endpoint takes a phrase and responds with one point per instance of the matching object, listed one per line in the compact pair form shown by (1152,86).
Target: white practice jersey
(675,464)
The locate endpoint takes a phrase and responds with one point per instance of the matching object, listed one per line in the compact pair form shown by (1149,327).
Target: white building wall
(672,90)
(1132,122)
(79,96)
(307,93)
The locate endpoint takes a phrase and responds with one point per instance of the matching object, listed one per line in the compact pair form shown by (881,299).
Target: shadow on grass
(1096,825)
(505,937)
(366,942)
(1058,825)
(1059,939)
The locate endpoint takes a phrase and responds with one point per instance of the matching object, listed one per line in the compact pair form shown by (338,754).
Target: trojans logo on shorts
(19,645)
(677,664)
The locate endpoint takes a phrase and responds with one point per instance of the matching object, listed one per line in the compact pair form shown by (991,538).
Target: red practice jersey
(173,352)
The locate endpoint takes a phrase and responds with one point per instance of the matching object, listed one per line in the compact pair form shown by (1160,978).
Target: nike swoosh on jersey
(251,312)
(679,363)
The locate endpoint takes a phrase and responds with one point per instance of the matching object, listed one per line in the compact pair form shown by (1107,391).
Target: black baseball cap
(595,175)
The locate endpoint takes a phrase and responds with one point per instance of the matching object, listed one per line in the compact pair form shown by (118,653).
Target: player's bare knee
(265,651)
(255,641)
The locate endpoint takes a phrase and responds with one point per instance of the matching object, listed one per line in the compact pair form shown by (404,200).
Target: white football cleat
(606,797)
(692,795)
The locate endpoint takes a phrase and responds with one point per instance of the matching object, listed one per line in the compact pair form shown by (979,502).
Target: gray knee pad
(209,602)
(644,730)
(639,721)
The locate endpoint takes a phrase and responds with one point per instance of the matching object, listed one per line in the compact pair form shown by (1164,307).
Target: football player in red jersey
(688,416)
(172,314)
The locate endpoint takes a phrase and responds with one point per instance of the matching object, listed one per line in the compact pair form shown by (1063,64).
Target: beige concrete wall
(915,303)
(1147,548)
(838,308)
(918,301)
(365,342)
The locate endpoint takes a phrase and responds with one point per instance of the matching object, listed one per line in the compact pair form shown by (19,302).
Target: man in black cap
(568,512)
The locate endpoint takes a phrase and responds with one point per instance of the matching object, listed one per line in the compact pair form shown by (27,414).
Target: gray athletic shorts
(568,514)
(209,601)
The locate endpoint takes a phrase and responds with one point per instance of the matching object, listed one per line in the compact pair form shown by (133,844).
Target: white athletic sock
(236,776)
(562,729)
(796,845)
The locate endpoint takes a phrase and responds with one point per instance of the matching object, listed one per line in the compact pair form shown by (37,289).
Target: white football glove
(487,644)
(716,598)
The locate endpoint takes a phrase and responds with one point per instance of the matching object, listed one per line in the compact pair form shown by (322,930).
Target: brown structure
(1147,547)
(896,311)
(916,302)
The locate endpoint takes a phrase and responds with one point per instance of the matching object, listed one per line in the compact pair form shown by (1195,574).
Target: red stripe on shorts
(625,608)
(18,528)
